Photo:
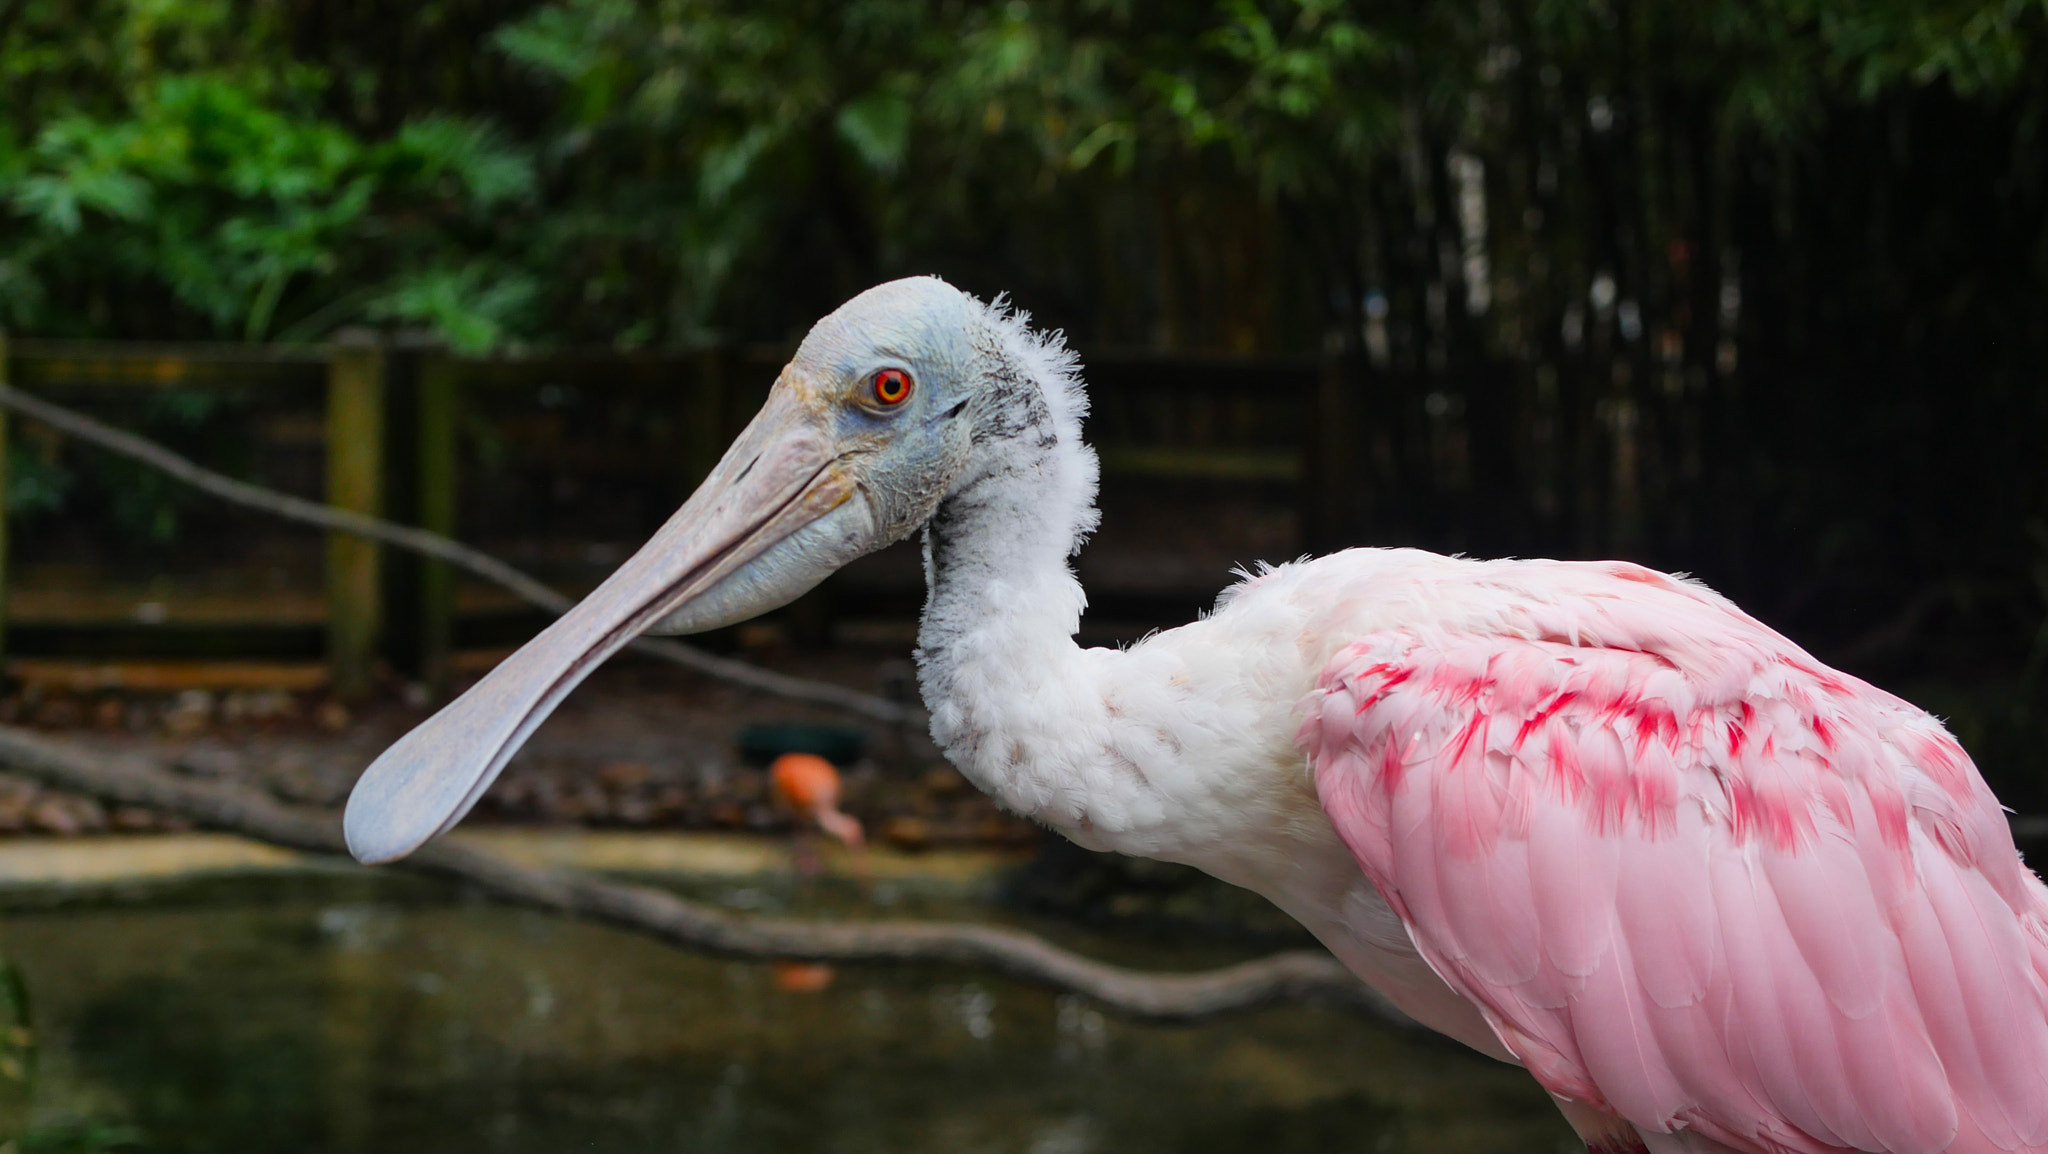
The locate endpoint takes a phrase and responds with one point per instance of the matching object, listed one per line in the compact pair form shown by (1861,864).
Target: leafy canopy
(605,170)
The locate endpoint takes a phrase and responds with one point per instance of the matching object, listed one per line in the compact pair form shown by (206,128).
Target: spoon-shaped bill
(779,513)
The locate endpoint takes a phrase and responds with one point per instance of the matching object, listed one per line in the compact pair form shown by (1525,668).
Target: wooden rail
(351,376)
(1224,419)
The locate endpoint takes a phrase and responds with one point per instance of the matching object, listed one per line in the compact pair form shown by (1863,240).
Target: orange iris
(891,386)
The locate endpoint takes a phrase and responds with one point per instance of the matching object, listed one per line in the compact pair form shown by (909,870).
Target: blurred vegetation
(17,1053)
(1756,289)
(664,172)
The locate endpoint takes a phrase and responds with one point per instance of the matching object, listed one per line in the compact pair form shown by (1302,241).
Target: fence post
(437,420)
(355,474)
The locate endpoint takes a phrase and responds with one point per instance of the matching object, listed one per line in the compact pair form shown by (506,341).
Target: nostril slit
(748,469)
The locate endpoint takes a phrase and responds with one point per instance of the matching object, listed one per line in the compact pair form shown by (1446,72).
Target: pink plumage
(1694,879)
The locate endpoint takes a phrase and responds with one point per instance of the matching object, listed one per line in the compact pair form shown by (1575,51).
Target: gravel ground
(640,746)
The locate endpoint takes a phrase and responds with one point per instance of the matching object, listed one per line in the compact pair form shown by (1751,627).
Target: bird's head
(888,404)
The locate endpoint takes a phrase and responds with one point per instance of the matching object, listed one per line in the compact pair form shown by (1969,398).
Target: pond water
(350,1018)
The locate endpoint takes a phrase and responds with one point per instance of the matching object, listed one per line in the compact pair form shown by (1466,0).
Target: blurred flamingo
(1585,817)
(809,785)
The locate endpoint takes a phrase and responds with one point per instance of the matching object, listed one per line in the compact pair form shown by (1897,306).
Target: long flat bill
(776,515)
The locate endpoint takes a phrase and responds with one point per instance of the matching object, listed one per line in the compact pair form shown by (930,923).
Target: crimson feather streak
(1705,885)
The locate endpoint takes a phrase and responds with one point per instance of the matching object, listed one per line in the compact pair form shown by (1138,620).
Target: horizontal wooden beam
(90,600)
(168,371)
(1302,365)
(167,676)
(204,352)
(1202,464)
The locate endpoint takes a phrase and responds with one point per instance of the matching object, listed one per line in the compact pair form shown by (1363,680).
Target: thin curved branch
(440,548)
(657,914)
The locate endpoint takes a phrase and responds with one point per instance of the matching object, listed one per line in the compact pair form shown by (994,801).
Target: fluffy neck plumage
(996,657)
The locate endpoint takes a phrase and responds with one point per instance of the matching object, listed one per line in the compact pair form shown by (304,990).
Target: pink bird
(808,785)
(1585,817)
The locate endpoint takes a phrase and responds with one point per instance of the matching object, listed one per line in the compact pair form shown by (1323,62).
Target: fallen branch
(657,914)
(431,544)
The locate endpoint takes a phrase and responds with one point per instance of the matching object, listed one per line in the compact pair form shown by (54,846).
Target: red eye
(892,386)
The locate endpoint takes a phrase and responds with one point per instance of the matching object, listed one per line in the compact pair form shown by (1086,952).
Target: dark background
(1757,291)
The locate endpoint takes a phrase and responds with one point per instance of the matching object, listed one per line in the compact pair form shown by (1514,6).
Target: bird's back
(1690,876)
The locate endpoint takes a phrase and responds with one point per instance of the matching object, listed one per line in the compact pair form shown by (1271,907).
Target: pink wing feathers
(1695,879)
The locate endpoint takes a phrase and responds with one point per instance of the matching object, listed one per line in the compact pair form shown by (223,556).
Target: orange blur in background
(809,785)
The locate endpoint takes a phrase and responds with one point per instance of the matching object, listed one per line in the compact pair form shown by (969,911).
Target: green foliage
(188,168)
(83,1136)
(37,482)
(178,173)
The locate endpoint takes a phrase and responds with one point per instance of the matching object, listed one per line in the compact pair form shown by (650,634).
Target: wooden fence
(393,421)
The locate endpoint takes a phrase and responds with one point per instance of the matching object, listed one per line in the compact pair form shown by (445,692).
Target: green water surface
(357,1021)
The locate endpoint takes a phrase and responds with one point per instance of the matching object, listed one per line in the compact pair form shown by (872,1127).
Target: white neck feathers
(996,657)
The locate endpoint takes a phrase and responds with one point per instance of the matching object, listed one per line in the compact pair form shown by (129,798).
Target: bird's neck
(997,660)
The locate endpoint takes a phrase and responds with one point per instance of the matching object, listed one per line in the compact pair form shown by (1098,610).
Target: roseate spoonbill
(1586,817)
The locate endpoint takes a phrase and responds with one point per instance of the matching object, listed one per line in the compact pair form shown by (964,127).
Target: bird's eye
(892,386)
